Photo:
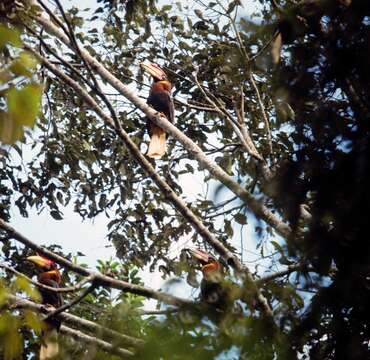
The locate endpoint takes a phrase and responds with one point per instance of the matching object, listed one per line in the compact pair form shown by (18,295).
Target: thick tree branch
(179,204)
(98,278)
(104,345)
(254,205)
(290,269)
(74,320)
(75,301)
(77,287)
(157,312)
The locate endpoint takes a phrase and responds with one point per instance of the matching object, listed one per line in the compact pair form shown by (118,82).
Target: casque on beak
(201,255)
(154,70)
(40,261)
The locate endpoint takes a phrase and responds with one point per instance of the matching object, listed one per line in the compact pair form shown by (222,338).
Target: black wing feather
(162,102)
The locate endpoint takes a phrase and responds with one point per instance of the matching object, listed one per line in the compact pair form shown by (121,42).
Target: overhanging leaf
(24,104)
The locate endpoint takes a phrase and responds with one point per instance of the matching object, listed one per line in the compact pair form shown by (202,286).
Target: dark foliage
(327,80)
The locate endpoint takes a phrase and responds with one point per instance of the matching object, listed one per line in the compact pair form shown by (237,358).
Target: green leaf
(9,36)
(32,321)
(22,284)
(24,104)
(166,8)
(11,341)
(10,131)
(24,65)
(277,246)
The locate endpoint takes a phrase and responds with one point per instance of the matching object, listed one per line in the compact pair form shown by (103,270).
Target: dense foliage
(293,75)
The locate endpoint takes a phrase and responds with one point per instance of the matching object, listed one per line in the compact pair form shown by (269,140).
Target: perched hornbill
(49,275)
(212,290)
(160,99)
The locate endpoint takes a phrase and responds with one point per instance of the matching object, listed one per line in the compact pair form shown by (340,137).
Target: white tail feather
(157,145)
(49,348)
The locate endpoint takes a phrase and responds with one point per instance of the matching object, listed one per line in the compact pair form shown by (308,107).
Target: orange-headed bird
(212,290)
(160,99)
(49,275)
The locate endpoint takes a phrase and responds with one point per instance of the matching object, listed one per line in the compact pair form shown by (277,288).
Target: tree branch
(157,312)
(290,269)
(254,205)
(99,279)
(104,345)
(229,119)
(77,287)
(75,321)
(75,301)
(178,203)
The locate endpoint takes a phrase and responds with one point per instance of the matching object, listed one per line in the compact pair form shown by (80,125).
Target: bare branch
(244,52)
(238,126)
(259,209)
(75,301)
(77,287)
(104,345)
(157,312)
(290,269)
(165,188)
(74,320)
(99,279)
(262,107)
(264,47)
(191,105)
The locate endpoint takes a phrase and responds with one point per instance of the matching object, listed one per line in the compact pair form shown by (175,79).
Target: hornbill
(160,99)
(212,290)
(49,275)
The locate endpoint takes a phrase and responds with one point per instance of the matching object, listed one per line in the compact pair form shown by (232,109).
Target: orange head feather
(209,269)
(163,85)
(50,275)
(209,264)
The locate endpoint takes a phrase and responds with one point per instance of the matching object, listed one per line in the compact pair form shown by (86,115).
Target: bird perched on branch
(212,290)
(49,275)
(160,99)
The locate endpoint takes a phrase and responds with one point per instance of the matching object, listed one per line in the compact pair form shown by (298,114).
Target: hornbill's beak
(201,255)
(154,70)
(40,261)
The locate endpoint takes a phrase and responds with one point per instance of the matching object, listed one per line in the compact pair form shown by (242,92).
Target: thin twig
(224,114)
(75,301)
(254,204)
(76,321)
(244,52)
(290,269)
(264,47)
(99,278)
(194,106)
(157,312)
(76,334)
(263,110)
(77,287)
(104,345)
